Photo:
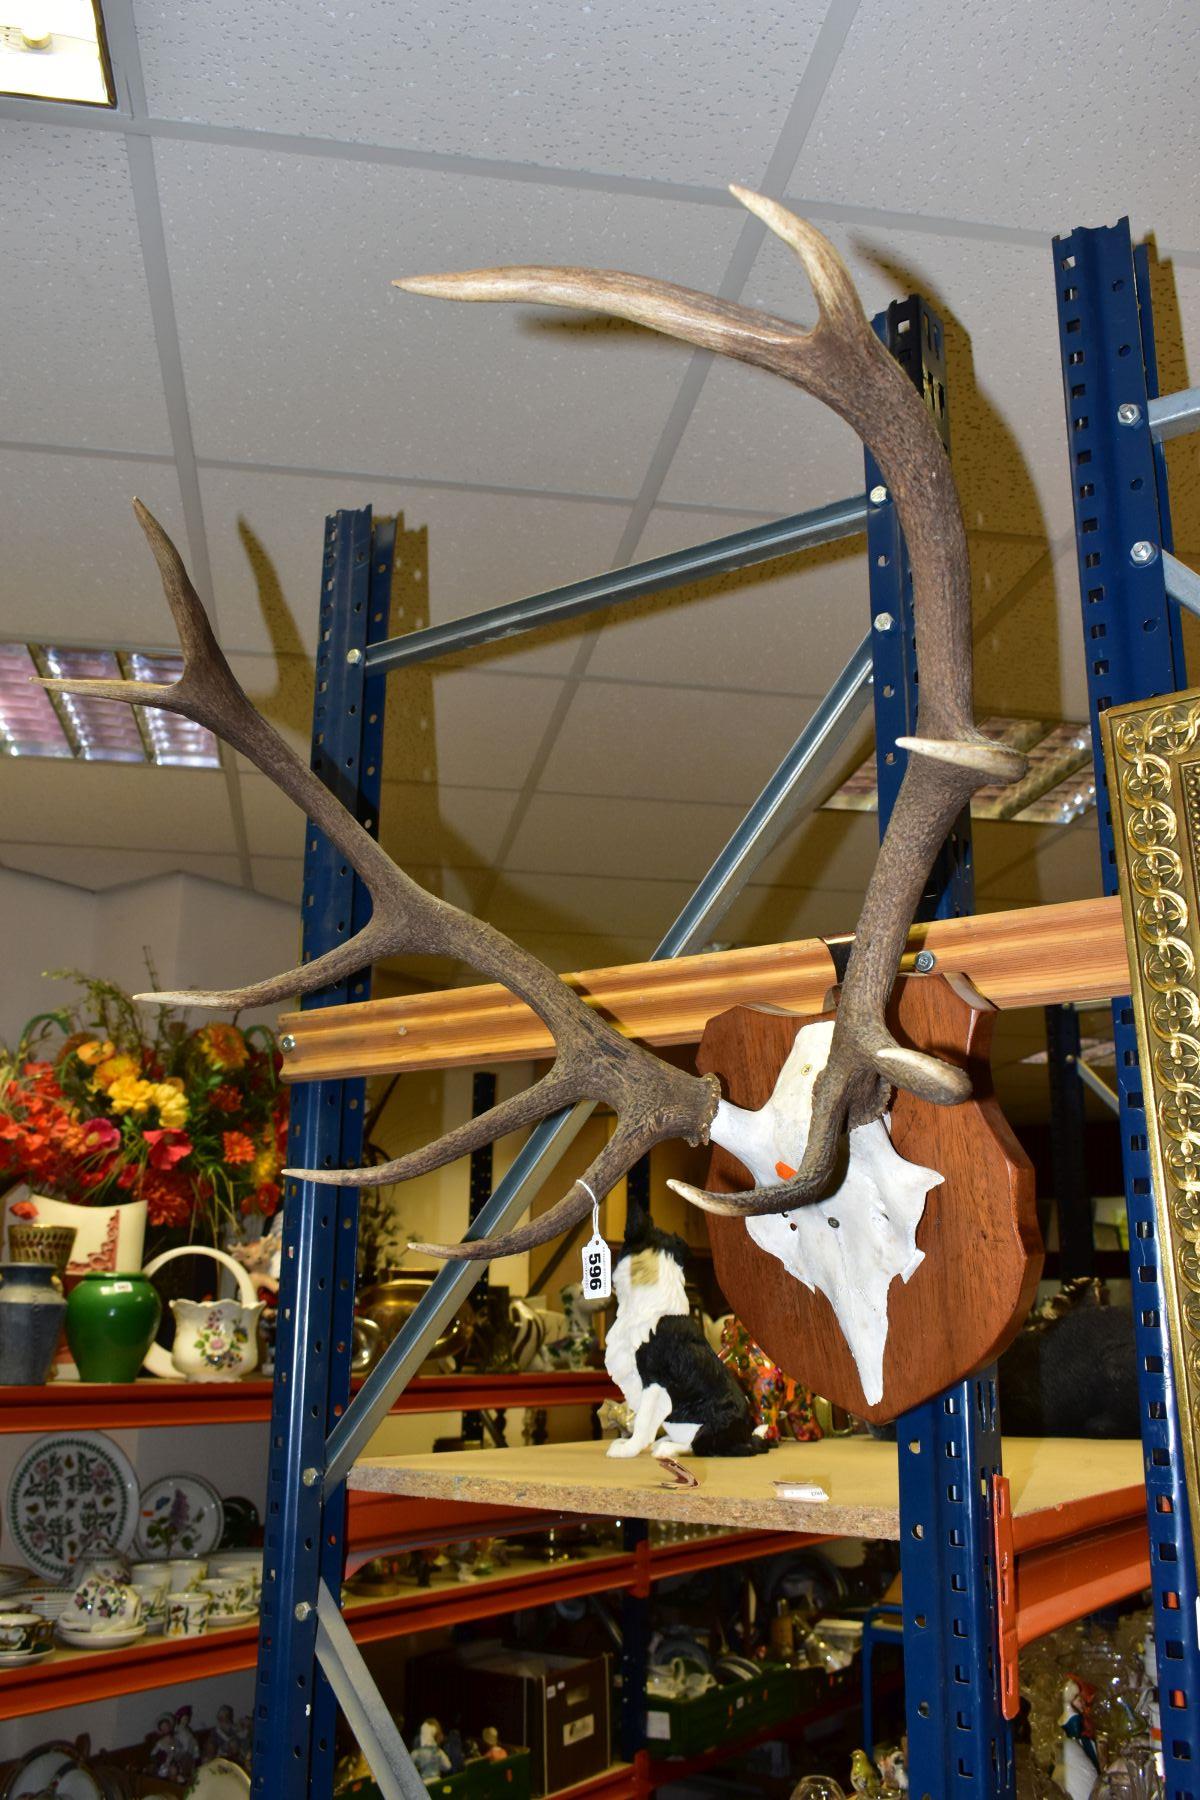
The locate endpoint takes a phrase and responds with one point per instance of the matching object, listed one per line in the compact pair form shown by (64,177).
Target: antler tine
(627,1144)
(593,1061)
(843,363)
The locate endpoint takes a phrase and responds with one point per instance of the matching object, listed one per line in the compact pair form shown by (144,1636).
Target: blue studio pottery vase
(32,1308)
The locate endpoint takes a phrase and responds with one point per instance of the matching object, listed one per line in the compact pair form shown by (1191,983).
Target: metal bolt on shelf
(878,494)
(924,962)
(287,1041)
(303,1610)
(354,657)
(1143,552)
(1129,413)
(883,621)
(311,1477)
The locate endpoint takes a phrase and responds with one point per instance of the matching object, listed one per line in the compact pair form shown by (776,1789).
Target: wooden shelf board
(1028,956)
(133,1405)
(1050,1478)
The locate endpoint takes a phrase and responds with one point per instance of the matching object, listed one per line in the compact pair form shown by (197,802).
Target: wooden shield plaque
(982,1253)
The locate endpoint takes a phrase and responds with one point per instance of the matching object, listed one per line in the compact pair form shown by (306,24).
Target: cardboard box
(558,1705)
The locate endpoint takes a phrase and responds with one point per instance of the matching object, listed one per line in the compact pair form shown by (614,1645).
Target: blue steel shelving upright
(1133,649)
(959,1743)
(294,1711)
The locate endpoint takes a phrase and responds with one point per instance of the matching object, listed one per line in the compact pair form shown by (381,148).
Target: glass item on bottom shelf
(818,1787)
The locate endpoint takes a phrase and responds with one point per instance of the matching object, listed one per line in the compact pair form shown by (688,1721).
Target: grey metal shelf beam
(1173,415)
(719,556)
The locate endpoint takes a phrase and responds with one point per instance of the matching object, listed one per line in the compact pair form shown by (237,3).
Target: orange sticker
(783,1171)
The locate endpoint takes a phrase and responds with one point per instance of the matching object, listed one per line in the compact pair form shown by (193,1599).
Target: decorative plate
(52,1769)
(18,1659)
(219,1780)
(179,1515)
(12,1579)
(224,1621)
(100,1640)
(72,1494)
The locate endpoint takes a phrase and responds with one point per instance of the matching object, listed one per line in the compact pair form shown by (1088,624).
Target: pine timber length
(1053,1482)
(1028,956)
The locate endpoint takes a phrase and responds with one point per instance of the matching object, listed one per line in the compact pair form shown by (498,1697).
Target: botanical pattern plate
(72,1493)
(179,1515)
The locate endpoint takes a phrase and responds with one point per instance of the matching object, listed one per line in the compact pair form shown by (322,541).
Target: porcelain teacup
(186,1572)
(187,1614)
(151,1575)
(23,1633)
(153,1599)
(103,1607)
(229,1595)
(248,1573)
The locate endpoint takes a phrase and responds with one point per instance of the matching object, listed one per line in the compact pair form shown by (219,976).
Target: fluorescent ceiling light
(1057,789)
(36,723)
(54,50)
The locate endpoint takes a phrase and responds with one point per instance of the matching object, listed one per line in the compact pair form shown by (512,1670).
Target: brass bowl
(390,1302)
(41,1244)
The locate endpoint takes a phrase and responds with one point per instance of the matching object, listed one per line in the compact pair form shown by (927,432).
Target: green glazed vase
(111,1322)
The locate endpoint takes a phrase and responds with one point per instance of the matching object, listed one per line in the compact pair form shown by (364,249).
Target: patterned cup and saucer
(103,1615)
(187,1614)
(25,1637)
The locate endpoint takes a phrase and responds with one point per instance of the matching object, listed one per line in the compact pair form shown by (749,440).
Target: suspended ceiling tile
(280,877)
(627,838)
(838,849)
(786,626)
(462,551)
(765,915)
(126,806)
(465,727)
(755,441)
(521,903)
(660,90)
(566,952)
(297,350)
(76,568)
(459,727)
(632,740)
(1049,864)
(1029,655)
(80,363)
(95,867)
(457,827)
(1027,115)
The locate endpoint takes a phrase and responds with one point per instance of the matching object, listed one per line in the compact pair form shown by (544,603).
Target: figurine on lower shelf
(429,1759)
(1078,1766)
(225,1739)
(174,1750)
(660,1359)
(493,1749)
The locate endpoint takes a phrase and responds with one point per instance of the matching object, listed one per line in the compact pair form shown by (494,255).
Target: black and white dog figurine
(660,1359)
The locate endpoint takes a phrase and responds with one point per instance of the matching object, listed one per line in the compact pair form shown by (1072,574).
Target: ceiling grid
(537,451)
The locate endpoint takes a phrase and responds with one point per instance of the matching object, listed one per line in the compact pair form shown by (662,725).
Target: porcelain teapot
(215,1340)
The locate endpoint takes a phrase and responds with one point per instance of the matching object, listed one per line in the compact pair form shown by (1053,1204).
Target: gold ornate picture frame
(1152,756)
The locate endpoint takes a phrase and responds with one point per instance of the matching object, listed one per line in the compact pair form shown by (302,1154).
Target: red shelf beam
(97,1406)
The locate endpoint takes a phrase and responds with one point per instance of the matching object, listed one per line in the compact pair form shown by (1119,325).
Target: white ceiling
(197,307)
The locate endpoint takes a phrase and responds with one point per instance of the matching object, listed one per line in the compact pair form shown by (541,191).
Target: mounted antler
(842,363)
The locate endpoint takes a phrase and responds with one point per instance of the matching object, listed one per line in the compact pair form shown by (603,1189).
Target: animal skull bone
(852,1246)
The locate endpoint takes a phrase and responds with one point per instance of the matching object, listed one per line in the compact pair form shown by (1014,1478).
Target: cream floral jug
(215,1340)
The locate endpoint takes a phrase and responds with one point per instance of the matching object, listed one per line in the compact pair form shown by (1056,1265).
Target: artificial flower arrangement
(96,1105)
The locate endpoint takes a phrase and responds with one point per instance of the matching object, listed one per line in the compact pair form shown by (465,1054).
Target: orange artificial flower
(237,1147)
(223,1046)
(91,1051)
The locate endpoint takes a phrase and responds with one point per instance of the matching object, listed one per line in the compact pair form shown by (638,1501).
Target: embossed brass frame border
(1152,755)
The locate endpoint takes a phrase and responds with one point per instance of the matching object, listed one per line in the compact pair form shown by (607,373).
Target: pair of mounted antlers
(842,363)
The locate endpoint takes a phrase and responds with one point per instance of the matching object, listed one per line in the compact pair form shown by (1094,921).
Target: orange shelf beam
(96,1406)
(81,1677)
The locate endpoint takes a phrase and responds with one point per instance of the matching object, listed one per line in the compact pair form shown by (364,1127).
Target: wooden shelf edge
(1028,956)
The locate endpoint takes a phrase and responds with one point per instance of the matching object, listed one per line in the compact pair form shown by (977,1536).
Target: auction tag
(597,1257)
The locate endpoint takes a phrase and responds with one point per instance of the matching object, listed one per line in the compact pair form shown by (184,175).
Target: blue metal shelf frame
(294,1706)
(1134,650)
(959,1743)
